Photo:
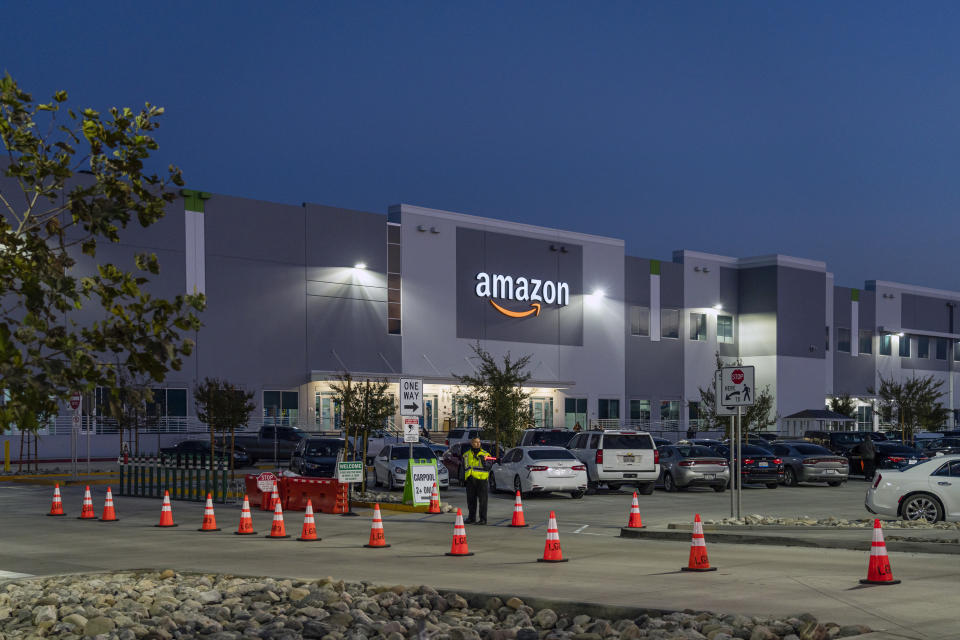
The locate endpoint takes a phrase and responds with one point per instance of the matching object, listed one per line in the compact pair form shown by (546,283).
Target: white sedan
(539,469)
(929,491)
(390,465)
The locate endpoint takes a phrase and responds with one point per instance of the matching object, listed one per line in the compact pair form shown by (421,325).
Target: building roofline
(871,285)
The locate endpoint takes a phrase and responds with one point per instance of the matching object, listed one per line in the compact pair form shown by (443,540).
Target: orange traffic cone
(434,501)
(56,507)
(277,530)
(109,515)
(698,550)
(86,511)
(166,513)
(309,526)
(274,497)
(551,550)
(209,519)
(635,522)
(878,571)
(518,520)
(459,545)
(246,520)
(377,539)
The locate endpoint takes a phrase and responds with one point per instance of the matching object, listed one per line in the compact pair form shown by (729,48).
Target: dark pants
(476,489)
(869,468)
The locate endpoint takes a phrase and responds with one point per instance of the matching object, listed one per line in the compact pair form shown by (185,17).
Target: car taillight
(685,463)
(656,456)
(777,461)
(579,467)
(877,481)
(811,461)
(599,456)
(748,461)
(723,463)
(895,459)
(447,442)
(536,467)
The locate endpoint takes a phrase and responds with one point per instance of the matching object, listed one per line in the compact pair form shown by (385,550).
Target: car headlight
(399,470)
(310,465)
(444,471)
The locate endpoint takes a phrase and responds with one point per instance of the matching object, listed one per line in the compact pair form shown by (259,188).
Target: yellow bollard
(6,456)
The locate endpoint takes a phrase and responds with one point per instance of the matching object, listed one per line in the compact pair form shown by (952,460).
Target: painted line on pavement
(581,528)
(14,574)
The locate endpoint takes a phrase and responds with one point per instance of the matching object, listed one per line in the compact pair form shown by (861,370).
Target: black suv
(546,437)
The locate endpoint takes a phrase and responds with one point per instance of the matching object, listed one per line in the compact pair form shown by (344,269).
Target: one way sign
(411,397)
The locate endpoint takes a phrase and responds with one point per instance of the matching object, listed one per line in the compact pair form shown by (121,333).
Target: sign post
(735,387)
(76,403)
(411,405)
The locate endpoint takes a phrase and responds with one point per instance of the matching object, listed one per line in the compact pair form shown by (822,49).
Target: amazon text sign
(522,289)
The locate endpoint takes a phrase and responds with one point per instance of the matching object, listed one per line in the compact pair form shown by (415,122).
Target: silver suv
(618,458)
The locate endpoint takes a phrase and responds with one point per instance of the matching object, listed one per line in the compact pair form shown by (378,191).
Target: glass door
(429,417)
(327,412)
(541,410)
(575,412)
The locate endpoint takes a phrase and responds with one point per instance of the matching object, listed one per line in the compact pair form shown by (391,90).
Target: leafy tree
(368,406)
(844,405)
(222,406)
(128,403)
(914,404)
(497,397)
(755,418)
(78,178)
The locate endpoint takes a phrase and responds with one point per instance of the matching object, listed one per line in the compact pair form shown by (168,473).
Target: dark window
(550,454)
(686,451)
(826,345)
(594,441)
(627,441)
(725,329)
(904,346)
(811,449)
(394,262)
(843,339)
(669,323)
(923,347)
(403,453)
(941,348)
(639,321)
(885,348)
(549,438)
(698,326)
(640,410)
(866,341)
(608,408)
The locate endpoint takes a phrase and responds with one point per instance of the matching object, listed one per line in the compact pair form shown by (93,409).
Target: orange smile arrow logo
(534,309)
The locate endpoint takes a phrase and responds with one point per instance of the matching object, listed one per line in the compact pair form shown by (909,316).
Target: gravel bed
(393,498)
(161,605)
(806,521)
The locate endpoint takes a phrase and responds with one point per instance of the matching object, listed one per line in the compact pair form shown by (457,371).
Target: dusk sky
(823,130)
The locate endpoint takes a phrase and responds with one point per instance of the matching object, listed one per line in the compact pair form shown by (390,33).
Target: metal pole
(89,426)
(739,462)
(733,478)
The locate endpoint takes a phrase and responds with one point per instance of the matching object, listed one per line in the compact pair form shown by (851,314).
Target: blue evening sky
(825,130)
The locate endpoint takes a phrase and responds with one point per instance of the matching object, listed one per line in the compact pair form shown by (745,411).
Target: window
(574,412)
(843,339)
(608,408)
(693,411)
(725,329)
(923,347)
(669,323)
(640,410)
(941,348)
(866,341)
(639,321)
(393,278)
(956,351)
(885,349)
(281,407)
(865,418)
(826,345)
(670,411)
(904,346)
(698,326)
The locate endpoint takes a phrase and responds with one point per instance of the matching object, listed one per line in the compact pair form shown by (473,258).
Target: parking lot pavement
(602,568)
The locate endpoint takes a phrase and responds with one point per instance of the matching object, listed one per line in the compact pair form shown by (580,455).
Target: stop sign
(737,376)
(75,401)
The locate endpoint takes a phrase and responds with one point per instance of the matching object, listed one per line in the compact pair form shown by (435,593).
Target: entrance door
(541,410)
(575,412)
(327,412)
(429,417)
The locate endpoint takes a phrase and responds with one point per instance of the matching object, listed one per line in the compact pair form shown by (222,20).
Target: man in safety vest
(476,476)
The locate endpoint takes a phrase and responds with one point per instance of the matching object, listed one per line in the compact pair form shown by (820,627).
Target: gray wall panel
(757,306)
(356,330)
(801,308)
(854,375)
(340,238)
(654,368)
(671,285)
(254,230)
(925,313)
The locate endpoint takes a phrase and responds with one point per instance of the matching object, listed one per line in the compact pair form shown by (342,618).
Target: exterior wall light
(599,293)
(718,307)
(360,265)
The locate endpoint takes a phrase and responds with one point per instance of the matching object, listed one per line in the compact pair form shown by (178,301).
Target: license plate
(629,475)
(762,464)
(709,476)
(628,458)
(830,471)
(913,461)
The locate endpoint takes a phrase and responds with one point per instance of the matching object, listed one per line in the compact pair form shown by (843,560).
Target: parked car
(539,469)
(617,458)
(452,458)
(890,455)
(270,439)
(808,462)
(187,448)
(759,465)
(390,465)
(461,435)
(841,441)
(318,457)
(705,442)
(941,446)
(690,465)
(546,437)
(661,442)
(927,491)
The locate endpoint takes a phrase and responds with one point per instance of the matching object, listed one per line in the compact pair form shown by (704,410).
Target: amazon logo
(533,291)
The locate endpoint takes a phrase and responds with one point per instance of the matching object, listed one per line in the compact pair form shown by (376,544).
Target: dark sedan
(890,455)
(808,462)
(760,466)
(186,449)
(933,446)
(318,457)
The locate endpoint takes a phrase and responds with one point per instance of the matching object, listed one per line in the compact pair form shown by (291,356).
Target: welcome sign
(518,289)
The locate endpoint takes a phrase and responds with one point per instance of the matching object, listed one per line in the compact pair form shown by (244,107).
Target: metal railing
(186,477)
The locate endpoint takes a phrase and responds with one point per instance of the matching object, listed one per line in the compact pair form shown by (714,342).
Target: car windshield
(687,451)
(403,453)
(811,450)
(550,454)
(626,441)
(755,451)
(551,438)
(846,438)
(324,448)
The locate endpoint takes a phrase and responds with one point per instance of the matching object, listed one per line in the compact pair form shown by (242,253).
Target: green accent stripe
(855,295)
(193,200)
(654,267)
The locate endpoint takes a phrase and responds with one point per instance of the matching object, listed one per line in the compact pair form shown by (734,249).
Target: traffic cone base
(695,569)
(378,540)
(246,521)
(244,533)
(878,571)
(56,506)
(698,561)
(459,545)
(880,582)
(518,520)
(109,514)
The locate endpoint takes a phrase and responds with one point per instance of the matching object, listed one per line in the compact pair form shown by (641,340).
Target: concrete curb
(792,541)
(887,526)
(391,506)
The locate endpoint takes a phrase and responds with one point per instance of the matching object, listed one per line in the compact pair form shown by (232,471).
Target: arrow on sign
(411,407)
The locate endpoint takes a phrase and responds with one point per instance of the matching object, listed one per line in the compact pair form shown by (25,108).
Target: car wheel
(719,488)
(493,483)
(668,483)
(771,485)
(517,485)
(835,483)
(646,489)
(613,486)
(922,507)
(576,495)
(790,477)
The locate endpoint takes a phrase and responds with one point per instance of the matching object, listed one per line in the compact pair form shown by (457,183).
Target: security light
(599,293)
(900,334)
(718,307)
(360,265)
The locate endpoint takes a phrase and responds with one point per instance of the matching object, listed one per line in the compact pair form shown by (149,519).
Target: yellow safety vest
(473,467)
